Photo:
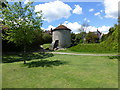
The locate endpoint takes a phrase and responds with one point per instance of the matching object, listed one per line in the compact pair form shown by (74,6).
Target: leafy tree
(104,37)
(38,40)
(22,22)
(119,20)
(47,38)
(3,4)
(111,30)
(73,35)
(83,29)
(112,41)
(91,37)
(77,38)
(80,37)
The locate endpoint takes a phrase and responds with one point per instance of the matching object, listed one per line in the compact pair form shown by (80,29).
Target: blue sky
(94,20)
(99,15)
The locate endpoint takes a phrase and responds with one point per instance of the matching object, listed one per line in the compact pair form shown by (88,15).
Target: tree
(84,26)
(3,4)
(47,38)
(83,29)
(104,37)
(73,35)
(91,37)
(111,30)
(80,37)
(22,21)
(38,40)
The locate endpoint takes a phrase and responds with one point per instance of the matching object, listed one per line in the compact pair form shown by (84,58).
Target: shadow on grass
(114,57)
(27,57)
(45,63)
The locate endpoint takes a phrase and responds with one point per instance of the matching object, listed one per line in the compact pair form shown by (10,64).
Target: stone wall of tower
(63,36)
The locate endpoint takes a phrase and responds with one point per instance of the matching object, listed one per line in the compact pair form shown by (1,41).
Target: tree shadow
(27,57)
(114,57)
(45,63)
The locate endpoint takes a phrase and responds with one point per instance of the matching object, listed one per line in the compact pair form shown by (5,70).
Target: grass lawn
(46,45)
(62,71)
(82,52)
(92,48)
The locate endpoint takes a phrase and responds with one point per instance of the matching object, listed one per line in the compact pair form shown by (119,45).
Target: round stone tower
(62,35)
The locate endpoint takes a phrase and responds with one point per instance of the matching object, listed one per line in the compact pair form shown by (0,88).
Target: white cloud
(49,27)
(73,26)
(77,10)
(104,29)
(54,10)
(96,14)
(85,19)
(91,28)
(111,8)
(26,1)
(91,10)
(88,20)
(101,11)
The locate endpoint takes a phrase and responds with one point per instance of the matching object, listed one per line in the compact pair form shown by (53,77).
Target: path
(84,54)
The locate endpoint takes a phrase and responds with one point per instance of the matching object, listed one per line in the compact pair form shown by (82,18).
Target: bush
(47,38)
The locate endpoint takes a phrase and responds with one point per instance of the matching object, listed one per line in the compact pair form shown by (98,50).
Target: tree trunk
(24,54)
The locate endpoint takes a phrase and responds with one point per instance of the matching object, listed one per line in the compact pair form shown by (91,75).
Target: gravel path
(84,54)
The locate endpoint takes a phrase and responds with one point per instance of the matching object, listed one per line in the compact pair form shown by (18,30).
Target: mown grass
(45,46)
(92,48)
(62,71)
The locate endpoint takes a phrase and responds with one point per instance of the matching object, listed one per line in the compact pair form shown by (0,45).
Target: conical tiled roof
(61,27)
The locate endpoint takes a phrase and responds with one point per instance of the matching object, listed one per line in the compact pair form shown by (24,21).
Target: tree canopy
(22,21)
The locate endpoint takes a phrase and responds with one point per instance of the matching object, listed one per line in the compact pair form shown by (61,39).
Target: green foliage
(38,40)
(110,45)
(3,4)
(104,37)
(73,37)
(91,37)
(47,38)
(112,41)
(111,30)
(22,22)
(78,38)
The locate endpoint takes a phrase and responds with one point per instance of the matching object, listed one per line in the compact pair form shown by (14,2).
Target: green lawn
(93,48)
(46,46)
(62,71)
(82,52)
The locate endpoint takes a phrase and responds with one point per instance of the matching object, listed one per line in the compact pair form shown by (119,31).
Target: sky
(99,15)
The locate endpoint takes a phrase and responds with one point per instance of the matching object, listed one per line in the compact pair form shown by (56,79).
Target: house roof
(61,27)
